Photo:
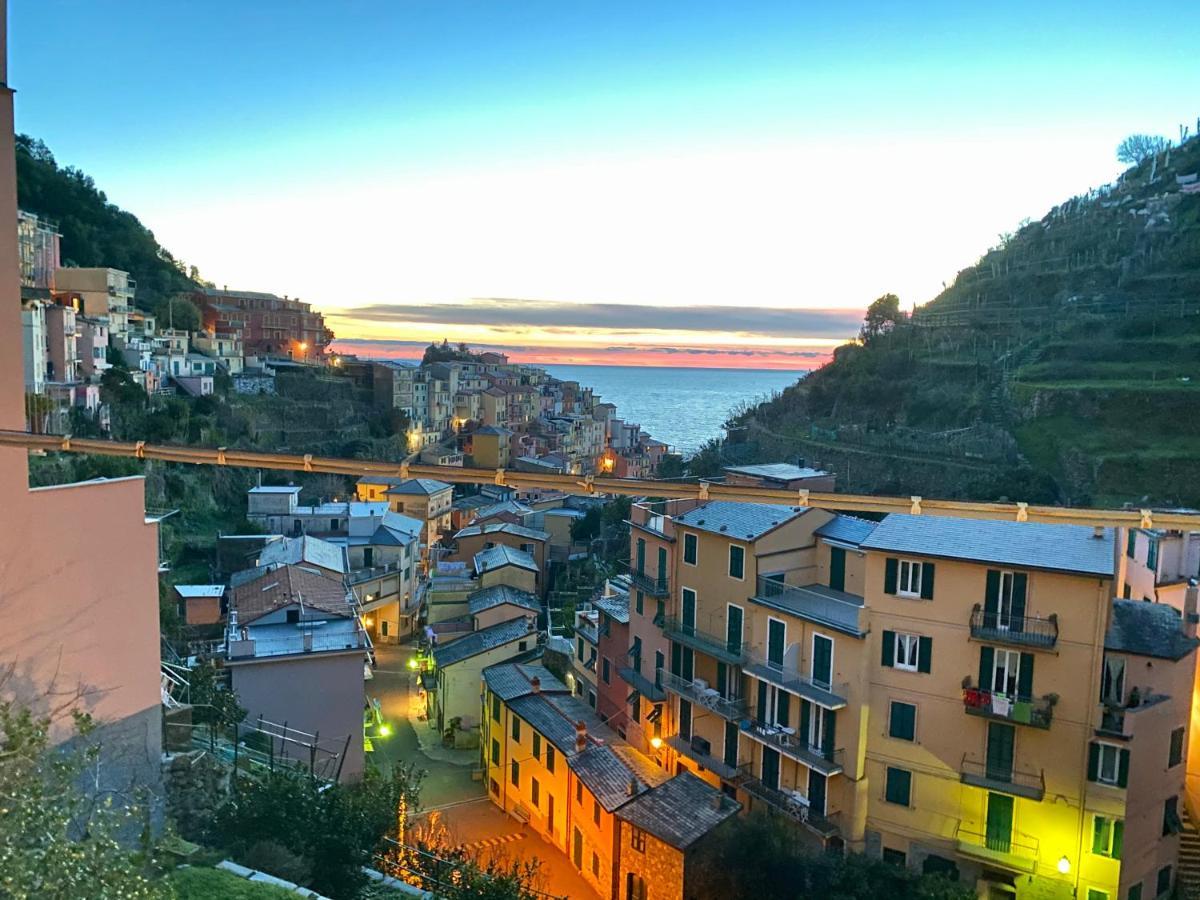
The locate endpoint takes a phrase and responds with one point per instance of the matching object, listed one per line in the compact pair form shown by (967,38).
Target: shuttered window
(902,721)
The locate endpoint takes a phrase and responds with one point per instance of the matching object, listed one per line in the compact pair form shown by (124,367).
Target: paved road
(448,780)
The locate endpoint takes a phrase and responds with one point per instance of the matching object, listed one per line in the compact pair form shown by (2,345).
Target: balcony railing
(787,742)
(816,603)
(791,805)
(654,585)
(703,696)
(694,751)
(588,633)
(830,696)
(643,685)
(1014,851)
(733,652)
(1031,785)
(1034,711)
(1022,631)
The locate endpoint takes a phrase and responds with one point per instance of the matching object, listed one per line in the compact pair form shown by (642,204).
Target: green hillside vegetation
(1063,366)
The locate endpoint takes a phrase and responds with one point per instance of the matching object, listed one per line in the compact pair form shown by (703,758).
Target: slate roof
(493,429)
(481,641)
(680,811)
(616,607)
(1030,545)
(299,550)
(776,471)
(189,591)
(1147,629)
(498,595)
(743,521)
(847,529)
(275,489)
(512,680)
(287,585)
(504,528)
(418,486)
(502,555)
(511,506)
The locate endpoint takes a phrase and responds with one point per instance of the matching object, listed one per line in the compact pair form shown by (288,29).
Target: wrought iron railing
(657,585)
(730,709)
(1024,631)
(731,651)
(1035,711)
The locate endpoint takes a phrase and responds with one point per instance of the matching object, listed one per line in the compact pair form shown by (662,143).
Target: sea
(683,407)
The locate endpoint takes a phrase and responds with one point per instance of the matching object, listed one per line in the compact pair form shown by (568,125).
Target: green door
(1000,740)
(770,768)
(999,822)
(689,611)
(822,660)
(816,792)
(775,638)
(731,745)
(837,568)
(733,630)
(641,556)
(661,582)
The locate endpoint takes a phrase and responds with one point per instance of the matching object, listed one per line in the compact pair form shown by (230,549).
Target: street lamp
(656,743)
(1064,865)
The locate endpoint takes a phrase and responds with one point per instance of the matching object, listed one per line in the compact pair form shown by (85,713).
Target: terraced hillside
(1064,366)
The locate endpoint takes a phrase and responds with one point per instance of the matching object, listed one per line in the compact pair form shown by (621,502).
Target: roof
(288,585)
(680,811)
(1030,545)
(481,641)
(296,550)
(283,639)
(500,594)
(419,486)
(743,521)
(189,591)
(1147,629)
(512,680)
(275,489)
(504,528)
(510,506)
(615,606)
(493,429)
(777,471)
(502,555)
(846,529)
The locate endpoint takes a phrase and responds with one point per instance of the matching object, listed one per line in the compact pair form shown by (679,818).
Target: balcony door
(816,792)
(776,639)
(661,581)
(1000,741)
(730,756)
(641,556)
(1004,602)
(770,768)
(999,822)
(733,629)
(689,611)
(837,568)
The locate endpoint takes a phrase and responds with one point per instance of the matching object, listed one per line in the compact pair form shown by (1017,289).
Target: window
(515,773)
(596,811)
(1175,755)
(895,857)
(902,721)
(776,640)
(737,561)
(1164,881)
(637,839)
(535,793)
(592,699)
(580,648)
(822,660)
(537,746)
(293,616)
(495,752)
(636,653)
(604,673)
(639,603)
(689,549)
(659,662)
(635,887)
(1171,822)
(1096,894)
(550,759)
(595,864)
(898,787)
(516,729)
(1131,543)
(660,612)
(1107,836)
(909,579)
(1152,554)
(907,650)
(495,785)
(579,793)
(1135,892)
(1108,764)
(1112,681)
(1006,668)
(495,707)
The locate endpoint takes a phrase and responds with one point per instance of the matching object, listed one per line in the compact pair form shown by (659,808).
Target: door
(641,556)
(816,792)
(770,768)
(730,757)
(733,630)
(577,849)
(776,635)
(999,822)
(1000,740)
(822,661)
(661,581)
(689,611)
(837,568)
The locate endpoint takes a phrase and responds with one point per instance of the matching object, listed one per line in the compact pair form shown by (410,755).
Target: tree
(213,703)
(587,526)
(177,312)
(882,317)
(55,841)
(1137,148)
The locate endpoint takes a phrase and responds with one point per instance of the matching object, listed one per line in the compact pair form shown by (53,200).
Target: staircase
(1189,859)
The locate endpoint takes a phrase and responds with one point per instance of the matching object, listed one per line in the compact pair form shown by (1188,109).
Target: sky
(587,182)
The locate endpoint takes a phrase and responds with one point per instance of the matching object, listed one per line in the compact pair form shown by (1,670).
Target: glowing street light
(412,663)
(656,742)
(1064,865)
(385,730)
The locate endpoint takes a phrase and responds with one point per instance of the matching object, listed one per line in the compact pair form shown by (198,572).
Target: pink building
(92,346)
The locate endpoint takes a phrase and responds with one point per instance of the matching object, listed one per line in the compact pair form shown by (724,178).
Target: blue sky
(785,155)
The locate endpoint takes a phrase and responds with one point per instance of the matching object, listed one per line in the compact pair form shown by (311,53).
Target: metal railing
(1023,631)
(790,805)
(1035,711)
(826,760)
(730,709)
(811,603)
(689,748)
(652,690)
(1013,844)
(655,585)
(762,666)
(1004,780)
(677,630)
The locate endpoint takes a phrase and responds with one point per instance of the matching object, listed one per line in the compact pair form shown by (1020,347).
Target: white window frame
(729,562)
(1008,662)
(816,727)
(908,578)
(1004,599)
(907,645)
(812,659)
(1115,753)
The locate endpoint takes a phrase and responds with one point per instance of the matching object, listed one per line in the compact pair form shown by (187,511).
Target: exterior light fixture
(303,346)
(385,730)
(412,663)
(1064,865)
(656,742)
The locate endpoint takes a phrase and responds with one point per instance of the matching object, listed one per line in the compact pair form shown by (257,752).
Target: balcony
(588,633)
(830,696)
(694,750)
(732,652)
(654,585)
(791,805)
(1018,631)
(703,696)
(787,742)
(814,603)
(1031,785)
(643,685)
(1017,852)
(1036,712)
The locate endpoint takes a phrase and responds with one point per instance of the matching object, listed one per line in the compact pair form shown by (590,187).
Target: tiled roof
(504,528)
(502,555)
(481,641)
(1147,629)
(776,471)
(846,529)
(297,550)
(285,586)
(1032,545)
(512,680)
(498,595)
(189,591)
(418,486)
(616,607)
(680,811)
(743,521)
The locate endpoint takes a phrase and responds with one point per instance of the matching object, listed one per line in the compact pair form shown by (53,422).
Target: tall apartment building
(39,245)
(1161,565)
(269,325)
(100,293)
(953,695)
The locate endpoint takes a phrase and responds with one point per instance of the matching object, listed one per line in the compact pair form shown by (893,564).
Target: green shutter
(1093,761)
(924,654)
(1025,677)
(782,708)
(1020,587)
(830,728)
(986,662)
(890,567)
(762,701)
(1123,771)
(926,581)
(805,714)
(889,649)
(722,678)
(1118,838)
(1099,835)
(991,598)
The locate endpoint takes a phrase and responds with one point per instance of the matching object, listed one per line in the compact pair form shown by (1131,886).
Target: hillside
(1064,366)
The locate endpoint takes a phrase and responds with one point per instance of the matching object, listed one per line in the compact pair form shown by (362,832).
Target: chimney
(1098,532)
(535,684)
(580,736)
(631,789)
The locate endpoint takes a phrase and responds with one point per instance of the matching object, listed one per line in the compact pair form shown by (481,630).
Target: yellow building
(490,447)
(425,499)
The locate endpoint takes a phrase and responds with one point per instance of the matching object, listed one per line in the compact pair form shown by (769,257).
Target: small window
(592,699)
(907,651)
(908,583)
(515,773)
(596,811)
(495,707)
(637,839)
(902,721)
(293,616)
(896,858)
(1107,836)
(1175,756)
(604,672)
(639,603)
(550,759)
(537,746)
(1171,822)
(1109,769)
(1164,881)
(516,729)
(898,788)
(522,646)
(1096,894)
(595,864)
(1134,892)
(495,752)
(689,549)
(737,561)
(495,785)
(535,792)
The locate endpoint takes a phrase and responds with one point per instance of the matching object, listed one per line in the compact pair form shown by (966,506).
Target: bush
(275,859)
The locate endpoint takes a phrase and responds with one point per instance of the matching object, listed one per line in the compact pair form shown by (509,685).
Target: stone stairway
(1189,860)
